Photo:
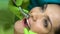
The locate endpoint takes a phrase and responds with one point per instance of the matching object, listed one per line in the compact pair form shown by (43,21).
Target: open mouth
(26,23)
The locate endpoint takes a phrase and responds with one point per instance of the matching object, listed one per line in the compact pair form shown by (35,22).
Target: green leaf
(15,10)
(19,2)
(7,18)
(25,4)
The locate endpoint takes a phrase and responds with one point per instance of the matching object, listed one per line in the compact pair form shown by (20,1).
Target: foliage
(7,16)
(15,10)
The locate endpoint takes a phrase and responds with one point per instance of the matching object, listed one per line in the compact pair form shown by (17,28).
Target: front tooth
(28,23)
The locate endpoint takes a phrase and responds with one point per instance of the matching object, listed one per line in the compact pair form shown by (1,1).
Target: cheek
(38,27)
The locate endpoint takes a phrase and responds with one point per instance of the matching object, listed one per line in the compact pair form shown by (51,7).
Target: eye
(45,23)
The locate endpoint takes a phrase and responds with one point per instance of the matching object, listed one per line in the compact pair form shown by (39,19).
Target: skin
(37,19)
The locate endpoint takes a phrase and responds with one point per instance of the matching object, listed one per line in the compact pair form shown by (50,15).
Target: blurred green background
(6,18)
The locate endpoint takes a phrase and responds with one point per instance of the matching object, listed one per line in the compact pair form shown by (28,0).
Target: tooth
(28,23)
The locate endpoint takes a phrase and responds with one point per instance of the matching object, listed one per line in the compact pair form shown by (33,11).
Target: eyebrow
(48,18)
(49,22)
(44,7)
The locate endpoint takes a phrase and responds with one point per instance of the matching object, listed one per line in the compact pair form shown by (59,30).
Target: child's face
(41,21)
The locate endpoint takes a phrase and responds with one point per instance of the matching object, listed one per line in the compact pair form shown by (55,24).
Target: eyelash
(45,22)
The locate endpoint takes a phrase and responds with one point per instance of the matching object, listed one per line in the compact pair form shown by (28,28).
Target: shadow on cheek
(57,31)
